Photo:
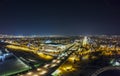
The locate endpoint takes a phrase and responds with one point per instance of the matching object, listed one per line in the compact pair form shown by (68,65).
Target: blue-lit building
(5,56)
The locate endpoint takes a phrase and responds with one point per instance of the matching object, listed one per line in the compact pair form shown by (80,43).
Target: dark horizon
(35,17)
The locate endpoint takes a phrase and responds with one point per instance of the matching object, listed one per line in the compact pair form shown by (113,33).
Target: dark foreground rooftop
(110,73)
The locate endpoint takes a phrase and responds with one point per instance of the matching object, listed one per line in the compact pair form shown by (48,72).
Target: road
(49,68)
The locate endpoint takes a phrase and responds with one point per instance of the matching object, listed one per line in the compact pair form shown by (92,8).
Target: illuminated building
(85,41)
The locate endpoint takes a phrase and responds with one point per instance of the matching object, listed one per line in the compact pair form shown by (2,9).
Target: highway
(49,68)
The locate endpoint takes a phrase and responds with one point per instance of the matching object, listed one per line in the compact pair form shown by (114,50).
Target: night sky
(63,17)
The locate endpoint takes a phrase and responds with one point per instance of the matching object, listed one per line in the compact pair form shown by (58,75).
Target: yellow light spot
(29,73)
(43,72)
(35,75)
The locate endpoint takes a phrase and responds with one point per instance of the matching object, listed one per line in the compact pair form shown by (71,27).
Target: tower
(85,41)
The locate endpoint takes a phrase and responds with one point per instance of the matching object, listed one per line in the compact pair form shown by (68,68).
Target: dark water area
(110,73)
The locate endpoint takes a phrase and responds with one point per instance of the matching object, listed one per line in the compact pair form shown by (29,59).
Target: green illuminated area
(12,67)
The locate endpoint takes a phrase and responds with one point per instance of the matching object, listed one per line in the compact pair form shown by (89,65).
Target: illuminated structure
(4,56)
(85,41)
